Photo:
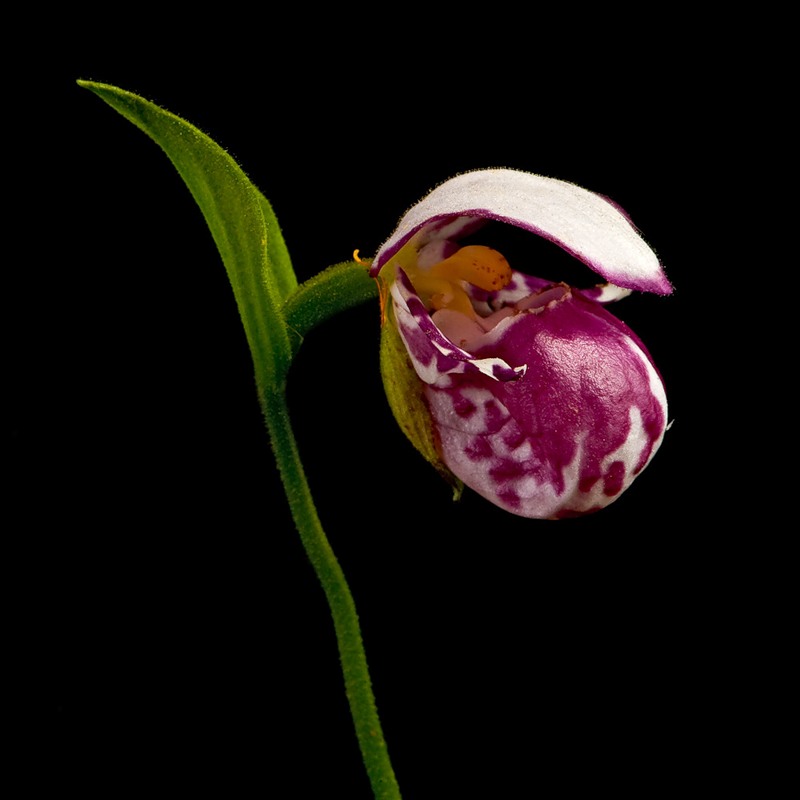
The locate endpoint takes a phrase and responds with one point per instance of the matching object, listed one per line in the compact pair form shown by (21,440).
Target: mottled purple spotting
(464,407)
(495,416)
(587,483)
(513,436)
(505,470)
(509,498)
(614,479)
(478,448)
(586,372)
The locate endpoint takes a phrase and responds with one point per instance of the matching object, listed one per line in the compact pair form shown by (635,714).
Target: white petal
(585,224)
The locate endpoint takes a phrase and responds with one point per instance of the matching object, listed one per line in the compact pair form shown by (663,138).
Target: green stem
(335,289)
(358,685)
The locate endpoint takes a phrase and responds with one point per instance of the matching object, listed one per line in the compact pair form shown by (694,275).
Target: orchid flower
(529,392)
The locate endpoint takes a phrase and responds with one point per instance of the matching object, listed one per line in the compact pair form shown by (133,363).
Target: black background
(175,631)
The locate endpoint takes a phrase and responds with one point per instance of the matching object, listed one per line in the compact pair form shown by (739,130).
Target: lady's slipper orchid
(528,391)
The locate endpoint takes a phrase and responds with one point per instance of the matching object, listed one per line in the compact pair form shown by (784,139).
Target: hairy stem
(358,685)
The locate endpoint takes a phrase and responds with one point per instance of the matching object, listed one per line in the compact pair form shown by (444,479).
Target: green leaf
(241,221)
(277,252)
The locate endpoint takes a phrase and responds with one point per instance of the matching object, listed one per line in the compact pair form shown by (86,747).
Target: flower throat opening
(442,285)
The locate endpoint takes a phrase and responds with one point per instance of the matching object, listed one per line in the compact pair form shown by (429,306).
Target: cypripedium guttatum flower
(529,392)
